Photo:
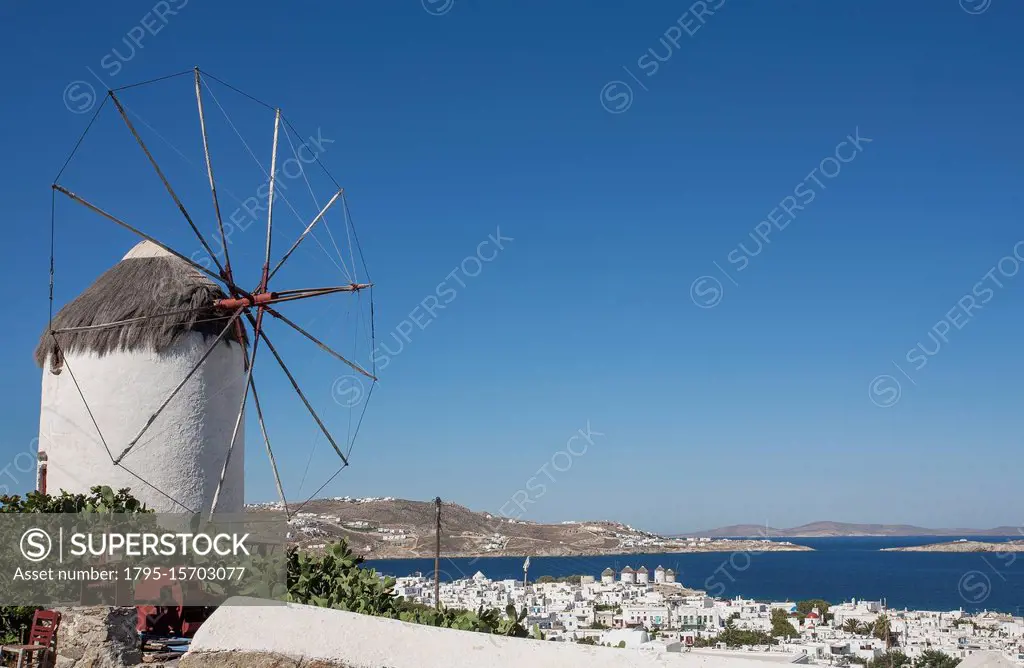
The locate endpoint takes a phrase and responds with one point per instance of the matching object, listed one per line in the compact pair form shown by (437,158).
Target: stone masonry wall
(97,637)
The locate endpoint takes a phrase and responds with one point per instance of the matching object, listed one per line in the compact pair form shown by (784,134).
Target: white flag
(526,564)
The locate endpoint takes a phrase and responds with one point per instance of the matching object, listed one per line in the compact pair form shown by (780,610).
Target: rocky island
(962,545)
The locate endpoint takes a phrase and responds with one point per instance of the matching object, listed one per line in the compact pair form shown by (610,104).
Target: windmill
(137,353)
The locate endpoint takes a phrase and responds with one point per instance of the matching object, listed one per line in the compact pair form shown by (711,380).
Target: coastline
(837,570)
(719,546)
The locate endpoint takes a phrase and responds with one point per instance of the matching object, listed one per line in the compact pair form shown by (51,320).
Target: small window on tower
(56,362)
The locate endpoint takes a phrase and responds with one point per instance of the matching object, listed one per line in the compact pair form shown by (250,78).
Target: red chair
(42,639)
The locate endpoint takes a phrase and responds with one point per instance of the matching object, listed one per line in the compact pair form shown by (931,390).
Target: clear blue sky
(454,122)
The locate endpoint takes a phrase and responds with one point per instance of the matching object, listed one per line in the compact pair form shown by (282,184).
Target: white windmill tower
(127,373)
(148,373)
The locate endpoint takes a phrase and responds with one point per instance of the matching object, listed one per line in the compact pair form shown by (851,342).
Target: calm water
(839,569)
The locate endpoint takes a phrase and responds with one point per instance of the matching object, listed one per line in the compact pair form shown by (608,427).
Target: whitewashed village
(655,613)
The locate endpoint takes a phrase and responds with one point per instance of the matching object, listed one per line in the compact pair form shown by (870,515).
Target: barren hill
(825,529)
(397,528)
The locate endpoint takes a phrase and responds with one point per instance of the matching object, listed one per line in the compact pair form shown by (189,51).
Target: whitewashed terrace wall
(290,636)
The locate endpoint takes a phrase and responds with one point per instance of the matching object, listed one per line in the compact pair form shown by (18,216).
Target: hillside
(397,528)
(826,529)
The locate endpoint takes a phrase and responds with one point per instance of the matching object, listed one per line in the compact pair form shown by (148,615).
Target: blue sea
(839,569)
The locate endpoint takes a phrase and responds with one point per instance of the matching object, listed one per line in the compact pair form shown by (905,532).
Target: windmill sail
(192,316)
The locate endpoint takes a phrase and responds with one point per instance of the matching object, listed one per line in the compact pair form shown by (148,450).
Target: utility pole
(888,626)
(437,553)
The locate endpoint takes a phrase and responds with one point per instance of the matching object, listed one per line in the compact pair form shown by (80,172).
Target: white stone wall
(182,452)
(290,635)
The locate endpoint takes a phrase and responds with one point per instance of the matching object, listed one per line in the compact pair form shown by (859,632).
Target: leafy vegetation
(804,608)
(14,619)
(335,580)
(734,637)
(881,627)
(570,579)
(780,624)
(891,659)
(101,499)
(931,658)
(894,658)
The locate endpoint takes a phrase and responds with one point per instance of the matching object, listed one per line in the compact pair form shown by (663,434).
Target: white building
(569,612)
(628,575)
(648,616)
(126,373)
(862,611)
(630,638)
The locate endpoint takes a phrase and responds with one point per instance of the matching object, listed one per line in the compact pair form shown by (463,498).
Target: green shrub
(14,619)
(335,580)
(101,499)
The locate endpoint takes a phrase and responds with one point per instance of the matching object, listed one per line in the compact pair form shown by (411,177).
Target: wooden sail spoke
(114,219)
(257,332)
(209,172)
(167,401)
(298,390)
(128,321)
(270,202)
(323,346)
(99,432)
(167,185)
(306,232)
(270,451)
(265,298)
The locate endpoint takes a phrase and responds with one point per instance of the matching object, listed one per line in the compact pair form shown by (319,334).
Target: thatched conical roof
(148,281)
